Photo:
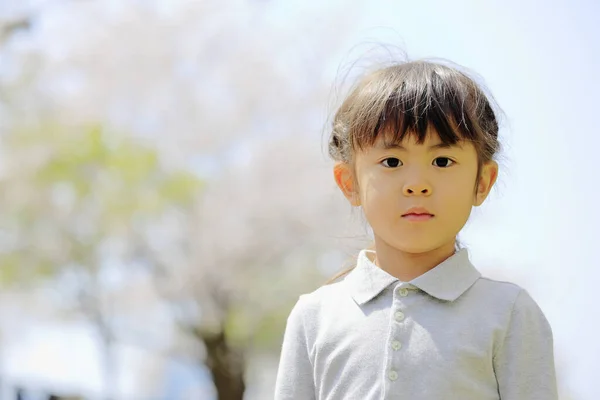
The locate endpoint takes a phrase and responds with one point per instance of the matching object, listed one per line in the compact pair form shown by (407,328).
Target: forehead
(393,131)
(430,139)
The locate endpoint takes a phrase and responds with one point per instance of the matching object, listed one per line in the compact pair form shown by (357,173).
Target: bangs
(414,99)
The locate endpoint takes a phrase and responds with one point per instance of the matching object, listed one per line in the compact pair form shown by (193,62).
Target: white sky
(540,60)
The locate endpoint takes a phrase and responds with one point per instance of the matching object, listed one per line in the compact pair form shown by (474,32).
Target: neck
(407,266)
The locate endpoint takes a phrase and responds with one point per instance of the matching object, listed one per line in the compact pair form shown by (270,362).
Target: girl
(413,146)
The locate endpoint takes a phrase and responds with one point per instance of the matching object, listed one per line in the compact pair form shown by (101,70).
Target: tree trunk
(226,365)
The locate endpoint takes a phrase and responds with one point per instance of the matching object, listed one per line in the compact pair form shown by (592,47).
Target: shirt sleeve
(295,373)
(524,361)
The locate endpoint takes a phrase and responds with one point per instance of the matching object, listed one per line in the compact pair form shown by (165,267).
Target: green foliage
(65,193)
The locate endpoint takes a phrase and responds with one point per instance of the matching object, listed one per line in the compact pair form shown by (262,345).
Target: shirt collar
(446,281)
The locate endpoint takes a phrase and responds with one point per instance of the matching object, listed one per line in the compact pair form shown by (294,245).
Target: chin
(415,248)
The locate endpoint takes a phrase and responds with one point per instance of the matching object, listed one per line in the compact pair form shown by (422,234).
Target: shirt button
(396,345)
(403,292)
(399,316)
(393,375)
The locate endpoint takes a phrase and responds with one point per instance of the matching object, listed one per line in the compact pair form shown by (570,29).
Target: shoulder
(513,302)
(501,300)
(512,294)
(321,304)
(322,296)
(498,289)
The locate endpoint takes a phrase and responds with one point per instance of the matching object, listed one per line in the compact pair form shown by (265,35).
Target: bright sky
(540,60)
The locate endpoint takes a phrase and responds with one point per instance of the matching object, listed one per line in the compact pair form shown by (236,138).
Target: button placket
(399,316)
(395,343)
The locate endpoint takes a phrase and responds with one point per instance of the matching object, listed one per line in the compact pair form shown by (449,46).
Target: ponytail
(346,271)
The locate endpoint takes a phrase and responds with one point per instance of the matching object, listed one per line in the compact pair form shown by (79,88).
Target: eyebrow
(388,146)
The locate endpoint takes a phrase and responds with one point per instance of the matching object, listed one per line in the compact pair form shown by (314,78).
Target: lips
(417,217)
(417,212)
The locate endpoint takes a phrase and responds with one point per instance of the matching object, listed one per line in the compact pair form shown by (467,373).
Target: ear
(487,178)
(344,177)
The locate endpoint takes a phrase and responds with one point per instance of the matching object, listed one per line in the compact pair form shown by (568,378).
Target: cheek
(457,195)
(379,196)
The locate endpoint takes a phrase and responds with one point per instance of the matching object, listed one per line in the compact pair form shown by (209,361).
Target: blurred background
(165,191)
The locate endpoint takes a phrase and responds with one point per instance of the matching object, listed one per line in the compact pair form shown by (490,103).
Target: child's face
(393,180)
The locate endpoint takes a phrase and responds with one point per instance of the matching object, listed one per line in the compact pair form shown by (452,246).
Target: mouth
(417,217)
(417,214)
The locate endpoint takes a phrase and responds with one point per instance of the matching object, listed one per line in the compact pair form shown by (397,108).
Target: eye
(443,162)
(391,162)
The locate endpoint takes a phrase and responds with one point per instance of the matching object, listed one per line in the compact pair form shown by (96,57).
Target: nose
(417,188)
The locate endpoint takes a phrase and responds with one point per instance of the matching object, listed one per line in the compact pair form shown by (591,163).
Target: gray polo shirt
(447,334)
